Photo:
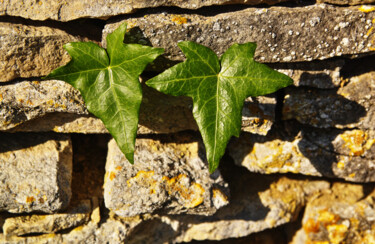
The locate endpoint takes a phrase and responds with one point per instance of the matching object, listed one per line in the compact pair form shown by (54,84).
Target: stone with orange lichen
(334,153)
(35,172)
(342,214)
(168,176)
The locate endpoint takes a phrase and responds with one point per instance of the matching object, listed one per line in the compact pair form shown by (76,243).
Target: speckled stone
(52,105)
(32,224)
(30,50)
(169,176)
(342,214)
(330,108)
(35,172)
(282,34)
(347,154)
(257,203)
(103,9)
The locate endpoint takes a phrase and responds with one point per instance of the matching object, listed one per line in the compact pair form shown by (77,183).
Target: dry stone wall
(302,171)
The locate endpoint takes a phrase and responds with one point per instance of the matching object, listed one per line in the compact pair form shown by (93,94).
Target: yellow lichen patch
(112,175)
(352,175)
(366,8)
(311,226)
(357,142)
(30,199)
(341,165)
(178,19)
(327,218)
(337,233)
(142,176)
(217,193)
(190,194)
(118,168)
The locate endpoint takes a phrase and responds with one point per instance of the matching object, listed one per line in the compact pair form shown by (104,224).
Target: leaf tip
(130,157)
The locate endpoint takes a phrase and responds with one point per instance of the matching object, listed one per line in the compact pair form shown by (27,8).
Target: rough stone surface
(270,202)
(282,34)
(31,224)
(346,2)
(31,51)
(168,176)
(330,108)
(347,154)
(318,74)
(74,9)
(27,106)
(35,172)
(339,215)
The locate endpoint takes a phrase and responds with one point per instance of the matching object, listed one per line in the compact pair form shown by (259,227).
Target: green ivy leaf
(109,82)
(218,89)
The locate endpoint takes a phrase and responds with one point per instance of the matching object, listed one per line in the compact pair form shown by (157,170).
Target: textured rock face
(346,154)
(17,226)
(346,2)
(167,177)
(35,173)
(74,9)
(339,216)
(336,32)
(249,211)
(31,51)
(330,108)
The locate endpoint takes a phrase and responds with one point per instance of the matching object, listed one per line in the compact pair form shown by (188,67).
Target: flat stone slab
(35,172)
(347,2)
(346,154)
(330,108)
(282,34)
(53,105)
(169,176)
(32,224)
(257,203)
(30,50)
(74,9)
(342,214)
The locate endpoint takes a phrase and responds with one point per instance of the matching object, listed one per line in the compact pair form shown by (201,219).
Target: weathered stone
(330,108)
(339,216)
(282,34)
(74,9)
(319,74)
(31,51)
(35,172)
(347,154)
(48,223)
(26,106)
(257,203)
(346,2)
(168,176)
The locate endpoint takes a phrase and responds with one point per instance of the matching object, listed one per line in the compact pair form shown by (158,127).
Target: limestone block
(347,154)
(35,172)
(31,224)
(53,105)
(31,51)
(257,203)
(74,9)
(282,34)
(330,108)
(339,215)
(169,176)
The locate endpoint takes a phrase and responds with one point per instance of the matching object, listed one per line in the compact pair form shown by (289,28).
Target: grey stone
(342,214)
(53,105)
(31,224)
(347,154)
(257,203)
(169,176)
(319,74)
(330,108)
(74,9)
(35,172)
(282,34)
(31,51)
